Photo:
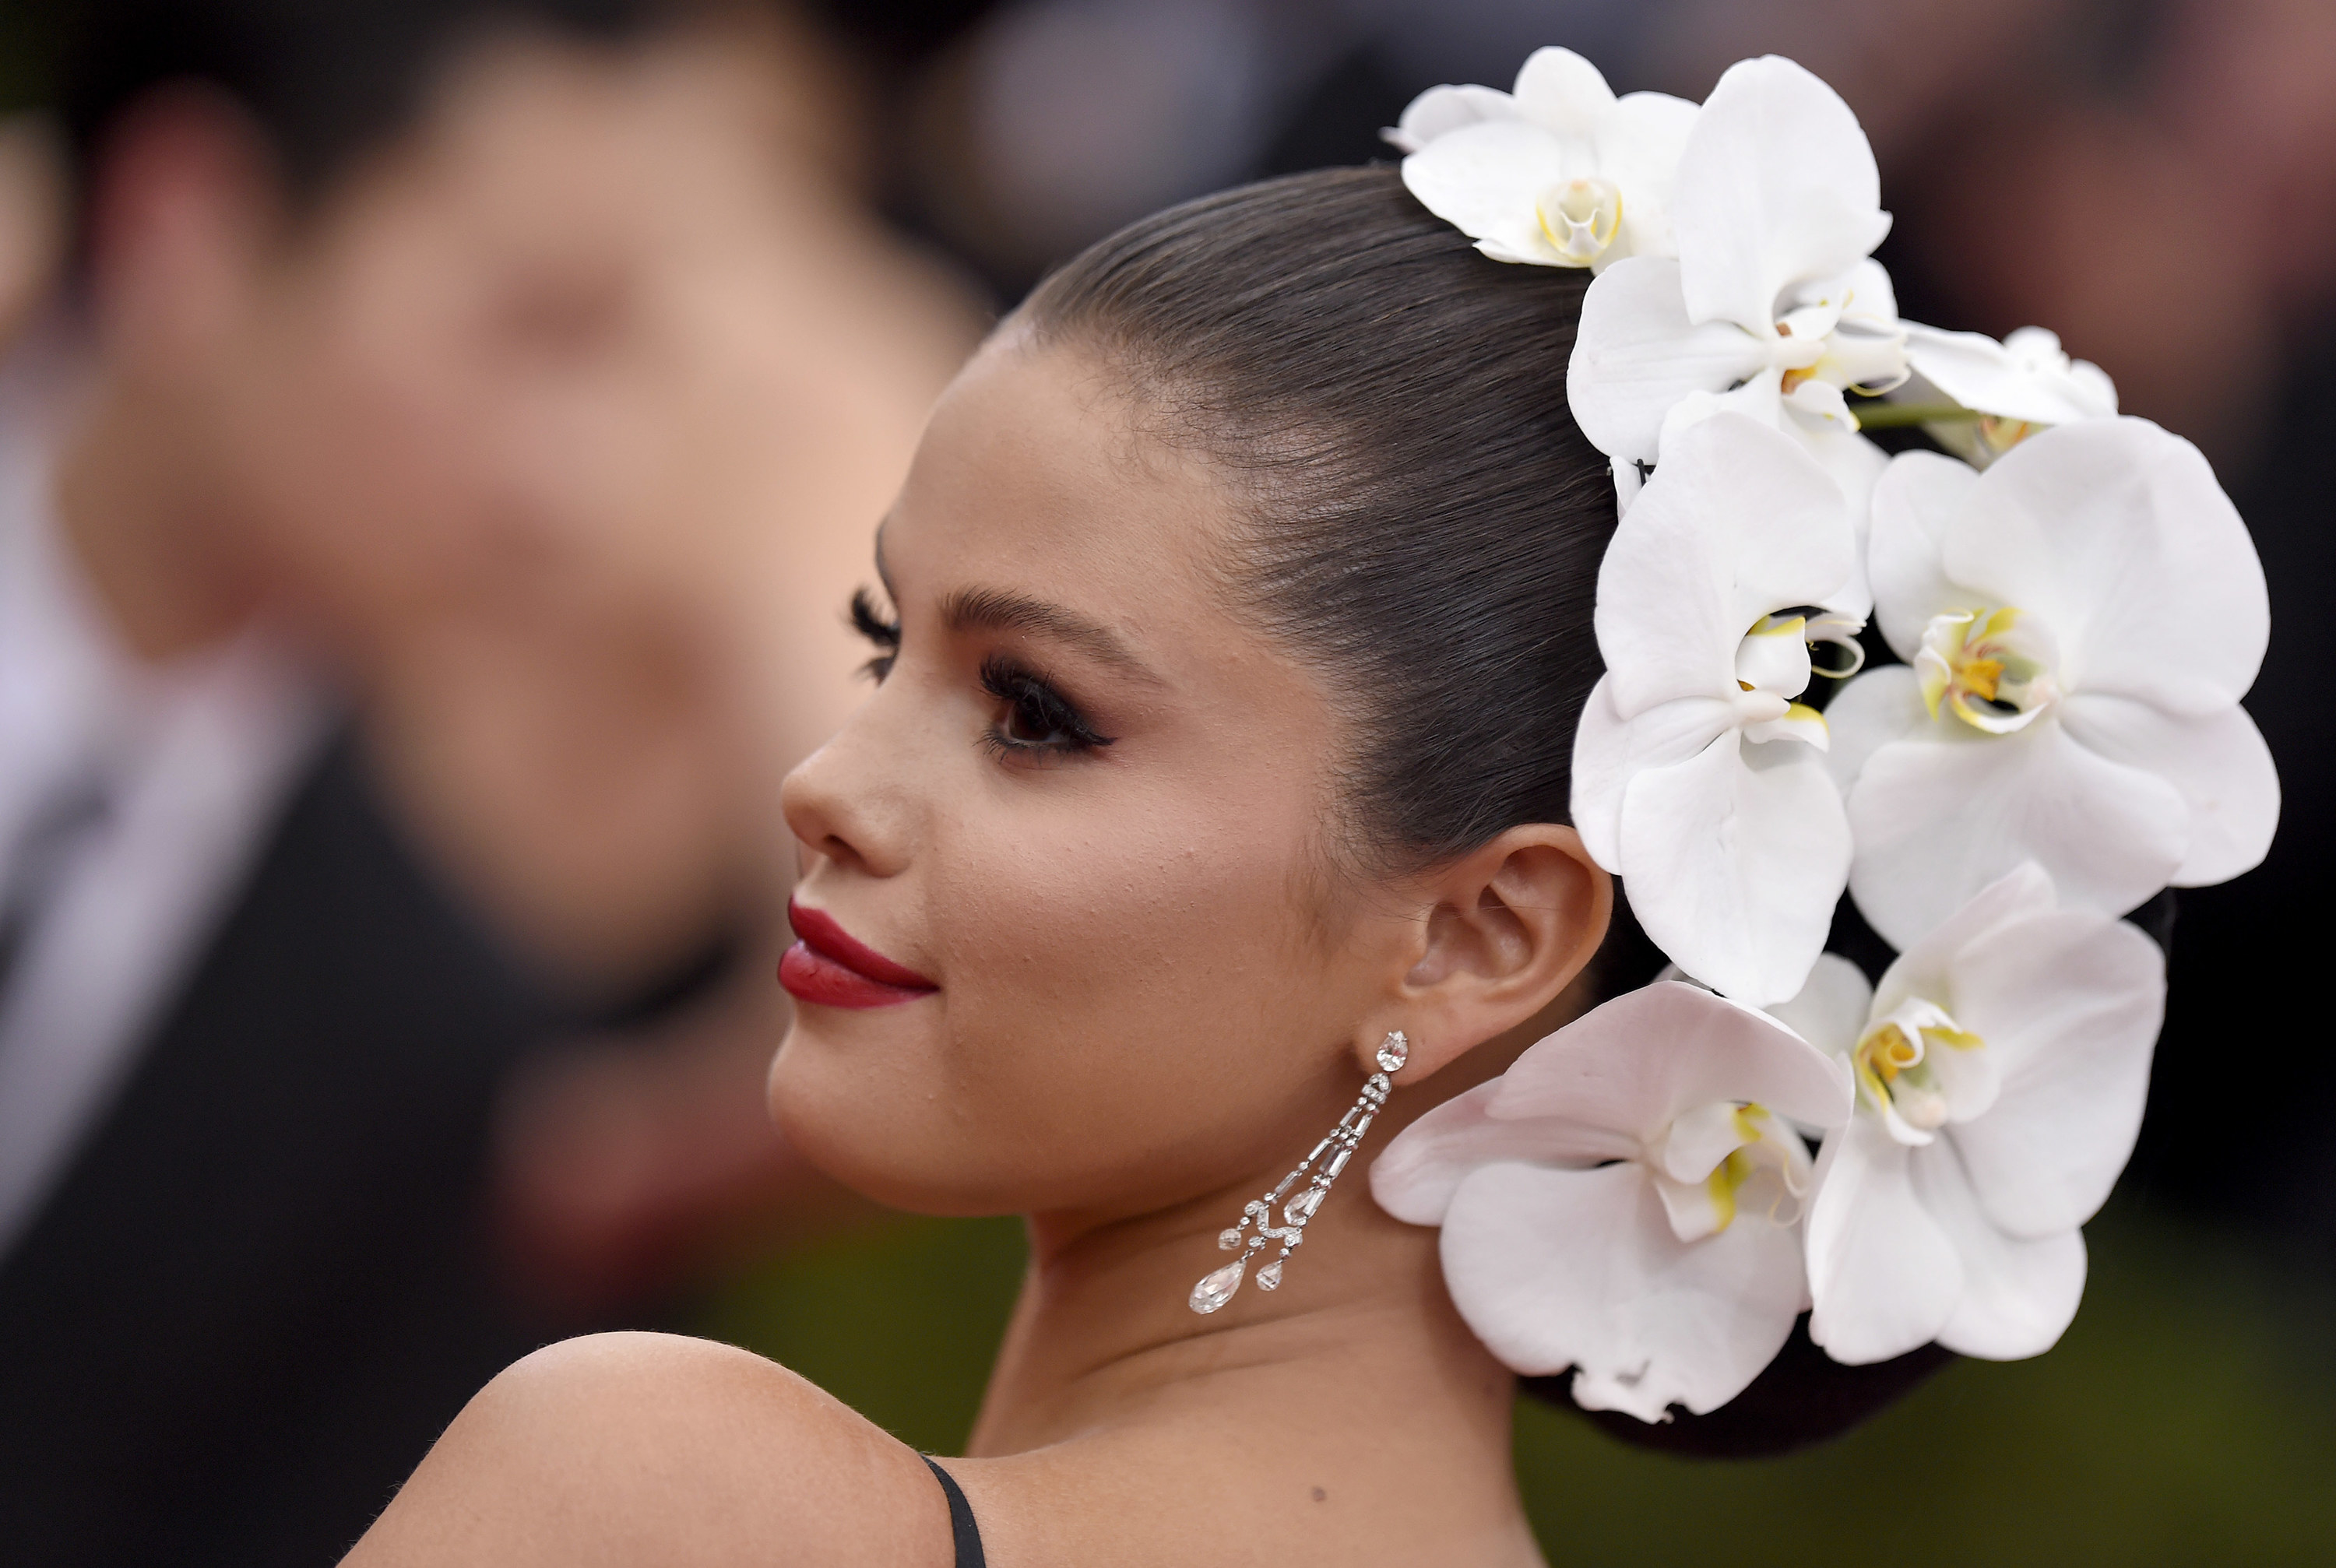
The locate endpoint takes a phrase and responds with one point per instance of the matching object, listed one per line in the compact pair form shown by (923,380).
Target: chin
(875,1131)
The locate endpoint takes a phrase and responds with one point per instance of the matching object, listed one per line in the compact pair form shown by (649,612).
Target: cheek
(1130,997)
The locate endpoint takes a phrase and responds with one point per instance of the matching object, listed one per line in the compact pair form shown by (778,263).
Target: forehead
(1035,473)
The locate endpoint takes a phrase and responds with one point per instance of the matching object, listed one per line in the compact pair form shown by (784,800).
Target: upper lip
(822,935)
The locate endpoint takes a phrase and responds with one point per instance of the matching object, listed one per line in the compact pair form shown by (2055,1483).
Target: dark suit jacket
(260,1291)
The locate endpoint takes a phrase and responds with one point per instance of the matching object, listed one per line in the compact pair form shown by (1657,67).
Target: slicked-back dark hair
(1428,518)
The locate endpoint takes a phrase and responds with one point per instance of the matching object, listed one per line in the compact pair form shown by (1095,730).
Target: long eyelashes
(870,623)
(1038,719)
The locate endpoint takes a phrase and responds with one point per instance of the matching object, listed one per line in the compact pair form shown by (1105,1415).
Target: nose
(849,801)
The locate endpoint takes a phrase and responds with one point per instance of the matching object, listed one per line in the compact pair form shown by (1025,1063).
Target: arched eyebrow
(1003,610)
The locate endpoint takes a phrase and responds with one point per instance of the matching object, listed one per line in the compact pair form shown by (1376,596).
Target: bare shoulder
(653,1448)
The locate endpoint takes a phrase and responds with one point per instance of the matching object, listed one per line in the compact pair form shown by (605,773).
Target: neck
(1357,1379)
(128,515)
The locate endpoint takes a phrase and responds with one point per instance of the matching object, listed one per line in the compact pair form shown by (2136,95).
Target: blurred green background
(2189,1417)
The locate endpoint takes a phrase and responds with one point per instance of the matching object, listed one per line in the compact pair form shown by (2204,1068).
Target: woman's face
(1092,807)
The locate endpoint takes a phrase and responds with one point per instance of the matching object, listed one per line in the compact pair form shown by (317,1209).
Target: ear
(183,209)
(1508,927)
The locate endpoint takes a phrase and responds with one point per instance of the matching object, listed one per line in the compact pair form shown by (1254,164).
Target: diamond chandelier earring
(1214,1290)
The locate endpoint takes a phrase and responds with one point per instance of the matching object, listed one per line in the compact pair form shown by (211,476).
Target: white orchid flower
(2001,1066)
(1624,1201)
(1558,173)
(1698,778)
(2080,623)
(2017,387)
(1774,306)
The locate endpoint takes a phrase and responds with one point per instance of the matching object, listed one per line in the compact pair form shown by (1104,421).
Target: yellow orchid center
(2000,436)
(1894,1063)
(1579,219)
(1738,1167)
(1766,1149)
(1992,670)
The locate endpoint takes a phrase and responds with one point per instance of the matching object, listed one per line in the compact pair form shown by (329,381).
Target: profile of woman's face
(1092,807)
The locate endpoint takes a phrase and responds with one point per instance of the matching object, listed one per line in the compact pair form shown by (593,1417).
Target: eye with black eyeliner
(870,623)
(1037,720)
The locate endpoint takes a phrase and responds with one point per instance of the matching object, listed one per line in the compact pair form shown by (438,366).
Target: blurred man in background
(425,508)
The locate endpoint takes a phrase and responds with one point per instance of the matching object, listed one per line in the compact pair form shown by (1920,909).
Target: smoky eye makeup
(1035,721)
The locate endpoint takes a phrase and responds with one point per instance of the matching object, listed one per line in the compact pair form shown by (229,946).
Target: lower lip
(815,978)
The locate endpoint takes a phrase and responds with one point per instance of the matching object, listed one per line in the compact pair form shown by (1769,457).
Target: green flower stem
(1897,415)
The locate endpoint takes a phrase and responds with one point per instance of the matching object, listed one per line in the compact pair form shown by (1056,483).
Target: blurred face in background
(524,424)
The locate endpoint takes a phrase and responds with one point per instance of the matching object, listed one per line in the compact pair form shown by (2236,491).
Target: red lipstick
(829,967)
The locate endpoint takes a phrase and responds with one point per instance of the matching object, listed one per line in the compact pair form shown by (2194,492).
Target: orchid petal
(1629,480)
(1581,1269)
(1563,93)
(1735,523)
(2019,1295)
(1482,180)
(1830,1010)
(1608,751)
(1777,189)
(1940,815)
(1799,723)
(1915,503)
(1871,298)
(1774,658)
(1638,1062)
(2070,1004)
(1760,400)
(1821,405)
(1993,378)
(1414,1178)
(1638,149)
(1733,861)
(1883,1275)
(2116,533)
(1442,109)
(1969,1078)
(1694,1211)
(1925,971)
(1698,1141)
(1636,354)
(2219,762)
(1853,463)
(1879,705)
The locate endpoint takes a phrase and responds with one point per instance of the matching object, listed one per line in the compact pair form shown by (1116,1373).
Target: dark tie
(42,850)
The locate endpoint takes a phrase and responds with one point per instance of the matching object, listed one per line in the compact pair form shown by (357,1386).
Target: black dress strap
(962,1529)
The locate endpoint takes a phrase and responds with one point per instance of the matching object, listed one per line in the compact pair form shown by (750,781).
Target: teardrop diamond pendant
(1215,1288)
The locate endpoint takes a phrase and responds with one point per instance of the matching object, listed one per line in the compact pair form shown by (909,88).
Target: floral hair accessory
(2079,622)
(2001,1068)
(2074,610)
(1698,774)
(1772,307)
(1979,398)
(1676,1172)
(1558,172)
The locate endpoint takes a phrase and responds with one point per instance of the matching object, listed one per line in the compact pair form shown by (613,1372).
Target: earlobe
(1509,928)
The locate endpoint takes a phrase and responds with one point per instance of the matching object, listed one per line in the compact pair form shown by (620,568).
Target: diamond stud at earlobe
(1340,1143)
(1394,1051)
